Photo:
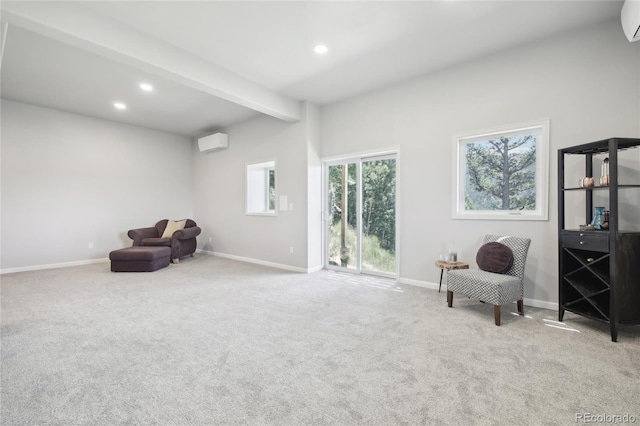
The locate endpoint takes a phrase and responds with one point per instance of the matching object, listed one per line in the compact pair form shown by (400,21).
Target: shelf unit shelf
(599,270)
(599,188)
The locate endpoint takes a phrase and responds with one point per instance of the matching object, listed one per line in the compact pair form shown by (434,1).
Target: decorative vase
(598,217)
(586,182)
(452,254)
(604,172)
(605,224)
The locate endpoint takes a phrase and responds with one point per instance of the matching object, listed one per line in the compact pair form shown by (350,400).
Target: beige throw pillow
(173,226)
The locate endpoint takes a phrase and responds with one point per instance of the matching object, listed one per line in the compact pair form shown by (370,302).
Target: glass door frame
(357,160)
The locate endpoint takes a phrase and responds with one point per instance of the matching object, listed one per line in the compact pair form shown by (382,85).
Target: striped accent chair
(489,287)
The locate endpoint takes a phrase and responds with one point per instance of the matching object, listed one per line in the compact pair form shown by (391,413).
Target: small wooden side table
(449,266)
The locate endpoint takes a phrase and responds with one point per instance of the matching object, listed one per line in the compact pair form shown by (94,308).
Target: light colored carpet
(214,341)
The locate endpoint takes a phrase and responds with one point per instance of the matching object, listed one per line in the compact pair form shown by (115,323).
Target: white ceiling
(42,71)
(247,58)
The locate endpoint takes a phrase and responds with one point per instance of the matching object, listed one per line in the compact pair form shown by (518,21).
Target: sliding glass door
(360,230)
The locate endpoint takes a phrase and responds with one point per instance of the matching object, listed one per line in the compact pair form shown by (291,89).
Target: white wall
(586,83)
(69,180)
(219,193)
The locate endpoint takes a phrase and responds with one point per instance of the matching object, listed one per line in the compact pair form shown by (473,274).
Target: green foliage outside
(374,257)
(335,194)
(272,190)
(379,202)
(500,174)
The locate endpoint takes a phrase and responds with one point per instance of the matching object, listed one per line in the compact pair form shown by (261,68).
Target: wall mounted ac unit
(214,142)
(630,17)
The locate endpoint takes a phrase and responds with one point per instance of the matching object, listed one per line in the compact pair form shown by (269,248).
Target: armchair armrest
(186,233)
(137,235)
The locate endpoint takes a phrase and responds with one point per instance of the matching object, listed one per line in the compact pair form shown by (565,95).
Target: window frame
(541,212)
(266,167)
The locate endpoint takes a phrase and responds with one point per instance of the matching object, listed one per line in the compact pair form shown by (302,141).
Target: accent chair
(182,241)
(490,287)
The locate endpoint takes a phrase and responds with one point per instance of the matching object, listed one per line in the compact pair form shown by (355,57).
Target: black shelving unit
(599,270)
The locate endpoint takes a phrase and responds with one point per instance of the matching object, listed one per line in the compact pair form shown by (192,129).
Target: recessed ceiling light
(321,49)
(119,105)
(146,87)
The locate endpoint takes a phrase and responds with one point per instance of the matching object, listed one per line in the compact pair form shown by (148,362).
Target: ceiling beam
(80,27)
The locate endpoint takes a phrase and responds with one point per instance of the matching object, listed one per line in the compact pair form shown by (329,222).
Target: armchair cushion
(137,235)
(496,289)
(186,233)
(156,242)
(494,257)
(173,226)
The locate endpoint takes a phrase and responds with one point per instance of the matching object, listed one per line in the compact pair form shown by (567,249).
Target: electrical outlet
(291,249)
(90,245)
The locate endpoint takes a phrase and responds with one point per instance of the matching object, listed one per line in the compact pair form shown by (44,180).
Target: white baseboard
(418,283)
(434,286)
(541,304)
(260,262)
(52,266)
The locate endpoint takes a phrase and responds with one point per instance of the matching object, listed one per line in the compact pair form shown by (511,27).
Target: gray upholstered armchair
(182,242)
(495,288)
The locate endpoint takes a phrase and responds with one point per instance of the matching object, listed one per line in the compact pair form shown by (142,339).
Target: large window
(261,188)
(502,174)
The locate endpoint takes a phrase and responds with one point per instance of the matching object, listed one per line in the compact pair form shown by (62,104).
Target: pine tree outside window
(502,174)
